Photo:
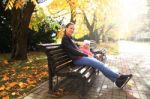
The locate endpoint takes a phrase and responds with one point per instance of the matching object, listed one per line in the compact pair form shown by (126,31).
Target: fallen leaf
(5,77)
(26,67)
(2,88)
(61,90)
(7,88)
(5,62)
(44,73)
(45,66)
(6,97)
(29,81)
(13,93)
(3,93)
(12,84)
(22,85)
(57,94)
(13,70)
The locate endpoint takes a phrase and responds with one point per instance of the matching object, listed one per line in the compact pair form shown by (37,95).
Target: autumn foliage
(18,77)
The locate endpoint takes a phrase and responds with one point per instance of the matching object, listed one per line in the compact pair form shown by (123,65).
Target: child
(85,48)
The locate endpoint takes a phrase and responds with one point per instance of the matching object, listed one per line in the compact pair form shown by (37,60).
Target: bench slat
(55,59)
(62,61)
(59,54)
(66,64)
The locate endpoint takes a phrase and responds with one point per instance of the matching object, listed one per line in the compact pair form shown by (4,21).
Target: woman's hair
(70,23)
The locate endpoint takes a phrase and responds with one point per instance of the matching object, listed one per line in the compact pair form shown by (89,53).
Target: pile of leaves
(17,78)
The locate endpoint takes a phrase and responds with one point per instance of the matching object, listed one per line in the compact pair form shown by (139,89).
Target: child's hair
(86,42)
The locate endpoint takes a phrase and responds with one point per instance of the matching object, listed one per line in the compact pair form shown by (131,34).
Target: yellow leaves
(15,3)
(19,4)
(72,3)
(55,5)
(10,4)
(8,86)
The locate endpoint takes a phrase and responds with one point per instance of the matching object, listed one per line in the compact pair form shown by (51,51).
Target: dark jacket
(72,49)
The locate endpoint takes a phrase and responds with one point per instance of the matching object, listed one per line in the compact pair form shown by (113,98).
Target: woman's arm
(69,47)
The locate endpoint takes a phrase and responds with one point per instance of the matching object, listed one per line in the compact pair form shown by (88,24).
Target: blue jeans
(93,62)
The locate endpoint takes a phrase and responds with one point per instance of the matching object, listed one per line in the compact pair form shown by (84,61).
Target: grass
(18,77)
(111,47)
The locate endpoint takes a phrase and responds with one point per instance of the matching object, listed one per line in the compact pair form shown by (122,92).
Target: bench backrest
(57,58)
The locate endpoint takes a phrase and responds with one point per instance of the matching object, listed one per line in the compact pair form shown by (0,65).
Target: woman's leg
(98,65)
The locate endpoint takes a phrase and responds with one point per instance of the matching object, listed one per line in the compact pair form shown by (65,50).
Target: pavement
(101,87)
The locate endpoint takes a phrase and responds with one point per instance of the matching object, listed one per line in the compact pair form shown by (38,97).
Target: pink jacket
(86,51)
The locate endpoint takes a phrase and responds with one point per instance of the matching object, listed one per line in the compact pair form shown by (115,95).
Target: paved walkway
(102,88)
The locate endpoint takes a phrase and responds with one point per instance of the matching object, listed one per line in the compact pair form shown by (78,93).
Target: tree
(99,23)
(21,13)
(90,26)
(73,7)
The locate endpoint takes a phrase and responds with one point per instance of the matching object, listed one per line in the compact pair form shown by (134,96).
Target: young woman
(80,59)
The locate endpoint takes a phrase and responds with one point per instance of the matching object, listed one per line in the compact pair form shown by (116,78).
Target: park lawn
(17,78)
(112,48)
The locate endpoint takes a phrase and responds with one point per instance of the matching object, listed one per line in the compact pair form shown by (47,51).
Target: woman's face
(69,30)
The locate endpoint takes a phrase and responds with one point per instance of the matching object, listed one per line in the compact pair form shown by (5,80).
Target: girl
(85,48)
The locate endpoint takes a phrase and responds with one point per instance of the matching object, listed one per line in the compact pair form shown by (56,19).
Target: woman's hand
(90,55)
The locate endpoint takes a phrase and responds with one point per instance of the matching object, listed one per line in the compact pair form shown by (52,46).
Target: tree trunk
(96,36)
(90,26)
(20,22)
(73,11)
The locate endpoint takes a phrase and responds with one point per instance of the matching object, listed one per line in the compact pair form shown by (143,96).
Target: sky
(131,11)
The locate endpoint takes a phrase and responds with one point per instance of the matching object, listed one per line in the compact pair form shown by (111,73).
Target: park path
(133,58)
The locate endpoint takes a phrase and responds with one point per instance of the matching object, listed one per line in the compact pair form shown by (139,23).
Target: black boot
(122,80)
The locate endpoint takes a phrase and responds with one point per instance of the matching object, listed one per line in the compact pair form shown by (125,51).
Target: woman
(80,58)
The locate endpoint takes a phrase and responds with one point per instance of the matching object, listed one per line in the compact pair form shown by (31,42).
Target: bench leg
(84,88)
(51,89)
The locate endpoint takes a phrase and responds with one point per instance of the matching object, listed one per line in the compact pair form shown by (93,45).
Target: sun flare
(131,10)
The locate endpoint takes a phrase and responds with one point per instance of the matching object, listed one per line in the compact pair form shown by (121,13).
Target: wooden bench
(59,64)
(98,51)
